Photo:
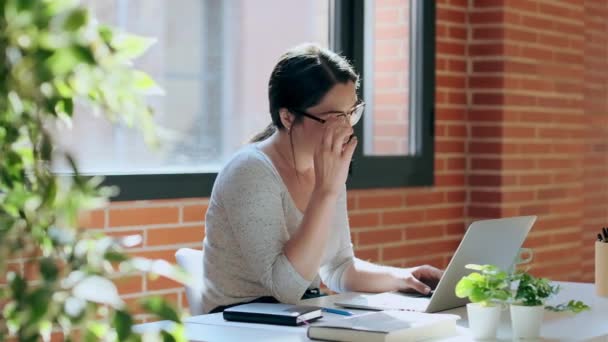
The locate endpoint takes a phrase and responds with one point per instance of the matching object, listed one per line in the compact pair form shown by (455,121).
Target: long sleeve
(332,272)
(251,197)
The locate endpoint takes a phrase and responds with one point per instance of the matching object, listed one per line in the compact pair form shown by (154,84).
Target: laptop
(494,242)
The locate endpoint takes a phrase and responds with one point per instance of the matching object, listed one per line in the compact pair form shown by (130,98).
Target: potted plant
(488,288)
(527,308)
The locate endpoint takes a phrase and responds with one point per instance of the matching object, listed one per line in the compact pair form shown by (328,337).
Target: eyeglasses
(353,116)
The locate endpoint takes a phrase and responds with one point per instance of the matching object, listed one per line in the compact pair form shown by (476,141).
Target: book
(265,313)
(386,326)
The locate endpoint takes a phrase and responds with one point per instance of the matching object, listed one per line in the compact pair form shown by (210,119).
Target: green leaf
(48,269)
(39,300)
(76,19)
(67,59)
(65,106)
(463,288)
(123,322)
(18,286)
(106,33)
(158,306)
(143,81)
(130,46)
(115,256)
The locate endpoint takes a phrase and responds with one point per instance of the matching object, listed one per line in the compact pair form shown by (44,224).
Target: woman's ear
(287,118)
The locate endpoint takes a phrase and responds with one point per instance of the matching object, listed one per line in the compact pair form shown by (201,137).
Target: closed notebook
(386,326)
(282,314)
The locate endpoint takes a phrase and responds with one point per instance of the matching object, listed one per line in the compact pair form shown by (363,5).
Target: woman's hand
(422,279)
(333,155)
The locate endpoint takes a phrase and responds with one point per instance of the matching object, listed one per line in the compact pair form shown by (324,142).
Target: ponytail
(265,134)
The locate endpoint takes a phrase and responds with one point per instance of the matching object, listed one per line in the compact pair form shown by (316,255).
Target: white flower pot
(526,321)
(483,320)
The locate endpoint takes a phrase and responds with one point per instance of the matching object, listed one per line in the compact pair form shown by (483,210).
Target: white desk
(587,326)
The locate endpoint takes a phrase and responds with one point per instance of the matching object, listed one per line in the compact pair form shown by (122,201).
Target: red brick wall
(595,156)
(521,128)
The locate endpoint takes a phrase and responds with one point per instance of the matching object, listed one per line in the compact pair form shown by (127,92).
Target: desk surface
(587,326)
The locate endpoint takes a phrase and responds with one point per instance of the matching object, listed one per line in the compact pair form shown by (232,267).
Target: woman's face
(342,98)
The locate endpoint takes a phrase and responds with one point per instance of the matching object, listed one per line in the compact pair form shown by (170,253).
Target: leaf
(76,19)
(65,106)
(145,84)
(123,322)
(463,288)
(158,306)
(106,33)
(18,286)
(115,256)
(98,290)
(474,267)
(65,60)
(48,269)
(130,46)
(74,306)
(39,300)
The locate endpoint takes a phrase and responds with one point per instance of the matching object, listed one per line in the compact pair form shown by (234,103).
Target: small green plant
(532,291)
(488,286)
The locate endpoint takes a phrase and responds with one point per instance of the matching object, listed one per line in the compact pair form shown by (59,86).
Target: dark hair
(301,78)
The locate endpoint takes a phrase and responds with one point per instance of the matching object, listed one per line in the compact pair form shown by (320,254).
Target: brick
(380,236)
(448,180)
(385,201)
(424,199)
(364,220)
(457,196)
(419,249)
(175,235)
(194,213)
(161,283)
(449,147)
(449,213)
(143,216)
(164,254)
(129,284)
(92,219)
(368,254)
(486,17)
(450,48)
(402,216)
(424,232)
(484,212)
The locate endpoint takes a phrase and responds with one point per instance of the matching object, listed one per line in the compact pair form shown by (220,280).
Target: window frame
(395,171)
(347,37)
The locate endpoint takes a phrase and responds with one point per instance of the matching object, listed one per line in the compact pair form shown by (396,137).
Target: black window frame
(368,171)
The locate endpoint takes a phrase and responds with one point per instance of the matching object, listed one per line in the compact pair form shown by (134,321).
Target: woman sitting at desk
(277,221)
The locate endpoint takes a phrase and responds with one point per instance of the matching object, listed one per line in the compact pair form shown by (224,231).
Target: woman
(277,221)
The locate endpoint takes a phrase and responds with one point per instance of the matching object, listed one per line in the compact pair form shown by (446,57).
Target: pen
(338,311)
(599,237)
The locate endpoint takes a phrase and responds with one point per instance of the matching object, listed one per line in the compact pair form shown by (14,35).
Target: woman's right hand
(333,155)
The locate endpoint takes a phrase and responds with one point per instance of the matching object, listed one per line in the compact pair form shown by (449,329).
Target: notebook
(386,326)
(265,313)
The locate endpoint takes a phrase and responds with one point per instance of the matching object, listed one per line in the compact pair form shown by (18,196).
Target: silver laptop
(494,242)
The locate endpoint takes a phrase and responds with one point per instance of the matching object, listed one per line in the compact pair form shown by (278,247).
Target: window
(392,46)
(213,59)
